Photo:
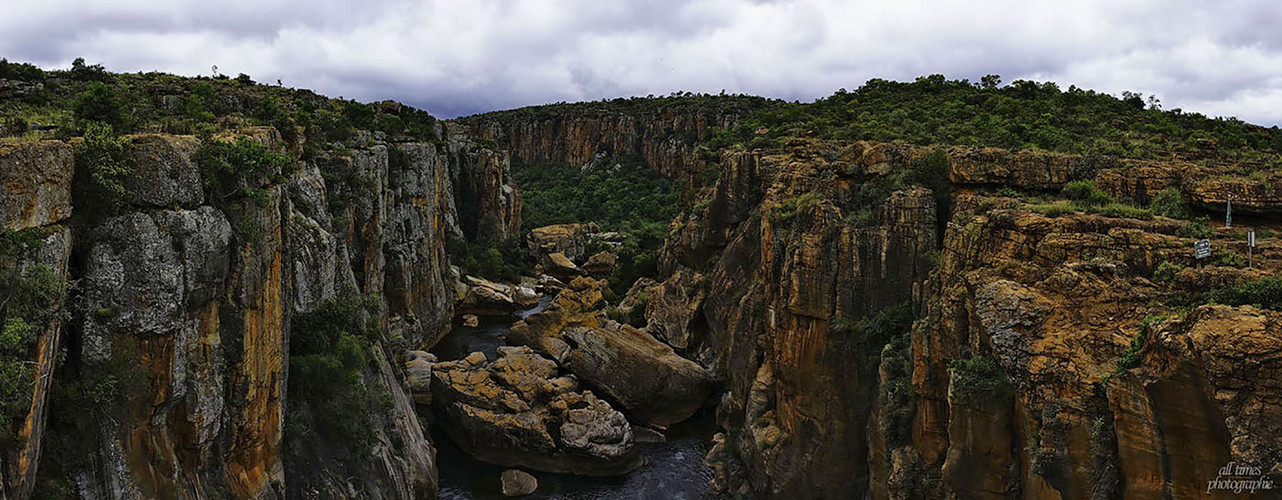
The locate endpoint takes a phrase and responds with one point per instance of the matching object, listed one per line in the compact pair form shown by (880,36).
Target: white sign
(1202,249)
(1250,238)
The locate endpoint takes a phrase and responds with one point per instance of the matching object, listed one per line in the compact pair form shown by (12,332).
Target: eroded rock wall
(180,334)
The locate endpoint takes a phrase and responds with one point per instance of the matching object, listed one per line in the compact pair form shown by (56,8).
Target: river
(673,469)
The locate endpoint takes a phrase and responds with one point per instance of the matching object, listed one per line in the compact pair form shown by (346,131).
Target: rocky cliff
(663,135)
(178,348)
(1022,375)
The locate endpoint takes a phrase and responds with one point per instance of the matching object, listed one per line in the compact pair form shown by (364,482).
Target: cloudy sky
(455,57)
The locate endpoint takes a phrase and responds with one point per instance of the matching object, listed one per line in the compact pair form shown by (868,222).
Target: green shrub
(978,377)
(328,354)
(1264,292)
(1120,210)
(235,168)
(102,103)
(1170,203)
(1167,270)
(104,167)
(1086,193)
(1195,230)
(1131,357)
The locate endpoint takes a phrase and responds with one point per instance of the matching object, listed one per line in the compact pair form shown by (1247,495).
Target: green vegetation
(1024,114)
(28,294)
(156,102)
(978,377)
(1131,358)
(104,166)
(1084,196)
(1170,203)
(1265,293)
(329,351)
(1167,270)
(503,261)
(238,168)
(630,199)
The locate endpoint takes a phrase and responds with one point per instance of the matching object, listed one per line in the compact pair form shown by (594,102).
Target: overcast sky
(456,57)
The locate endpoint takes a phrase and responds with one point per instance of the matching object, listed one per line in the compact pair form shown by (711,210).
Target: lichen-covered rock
(418,373)
(673,309)
(164,174)
(569,240)
(35,183)
(518,411)
(487,298)
(517,483)
(654,384)
(601,263)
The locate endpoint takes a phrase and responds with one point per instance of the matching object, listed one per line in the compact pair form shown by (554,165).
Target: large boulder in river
(418,373)
(557,264)
(654,384)
(517,483)
(519,411)
(487,298)
(628,365)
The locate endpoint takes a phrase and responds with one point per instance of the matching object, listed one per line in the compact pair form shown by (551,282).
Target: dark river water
(673,469)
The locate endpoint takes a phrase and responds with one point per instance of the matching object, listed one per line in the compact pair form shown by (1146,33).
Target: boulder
(35,183)
(164,174)
(418,373)
(471,321)
(549,284)
(601,263)
(557,264)
(566,239)
(520,411)
(517,483)
(654,384)
(525,296)
(487,298)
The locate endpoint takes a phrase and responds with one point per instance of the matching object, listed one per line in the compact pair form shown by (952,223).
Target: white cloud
(451,57)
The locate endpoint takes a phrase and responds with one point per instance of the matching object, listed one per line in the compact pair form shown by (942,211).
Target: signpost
(1202,249)
(1228,213)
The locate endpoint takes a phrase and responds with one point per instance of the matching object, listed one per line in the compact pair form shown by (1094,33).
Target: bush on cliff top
(104,166)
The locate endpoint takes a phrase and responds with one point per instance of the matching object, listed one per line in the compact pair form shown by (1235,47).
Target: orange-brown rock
(35,183)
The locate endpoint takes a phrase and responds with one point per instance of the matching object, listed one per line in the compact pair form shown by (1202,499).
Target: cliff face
(179,341)
(799,244)
(664,139)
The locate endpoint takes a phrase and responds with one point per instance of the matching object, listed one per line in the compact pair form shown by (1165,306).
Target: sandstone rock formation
(186,308)
(519,411)
(630,367)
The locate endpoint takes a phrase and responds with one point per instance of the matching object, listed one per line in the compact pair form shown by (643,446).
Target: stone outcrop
(520,411)
(35,183)
(186,306)
(569,240)
(664,138)
(627,365)
(801,262)
(516,483)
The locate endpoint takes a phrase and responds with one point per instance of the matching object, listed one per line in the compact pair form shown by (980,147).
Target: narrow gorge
(218,289)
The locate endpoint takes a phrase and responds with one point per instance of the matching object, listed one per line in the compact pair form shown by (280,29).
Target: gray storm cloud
(1220,58)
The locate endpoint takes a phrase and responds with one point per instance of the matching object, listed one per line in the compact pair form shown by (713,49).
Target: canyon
(865,319)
